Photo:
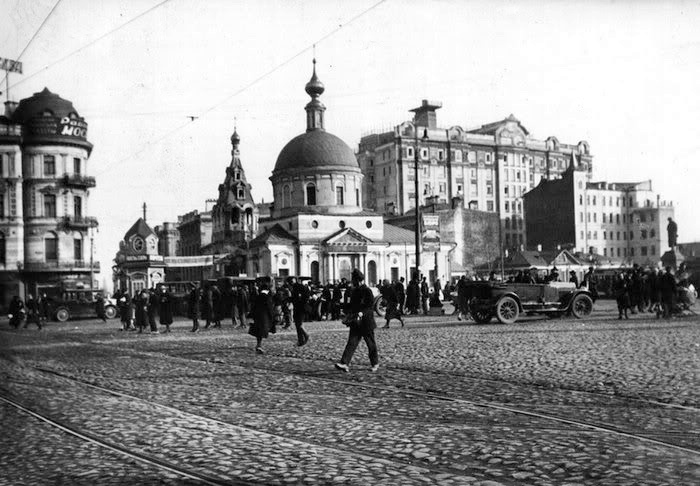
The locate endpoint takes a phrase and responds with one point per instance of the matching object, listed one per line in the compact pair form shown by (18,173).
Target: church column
(335,271)
(364,264)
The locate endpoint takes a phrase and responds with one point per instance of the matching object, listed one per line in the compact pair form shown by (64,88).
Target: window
(77,208)
(642,217)
(488,158)
(507,207)
(357,197)
(618,236)
(595,217)
(632,251)
(617,218)
(507,223)
(580,199)
(49,165)
(581,234)
(618,252)
(581,216)
(2,206)
(611,218)
(49,206)
(624,235)
(286,196)
(441,155)
(459,188)
(653,249)
(2,248)
(588,217)
(310,195)
(644,234)
(624,218)
(240,194)
(458,155)
(505,190)
(76,166)
(238,175)
(588,235)
(443,188)
(643,251)
(602,217)
(489,175)
(605,252)
(605,235)
(624,251)
(472,174)
(424,153)
(489,205)
(77,249)
(652,233)
(631,235)
(595,235)
(339,195)
(489,190)
(51,247)
(409,152)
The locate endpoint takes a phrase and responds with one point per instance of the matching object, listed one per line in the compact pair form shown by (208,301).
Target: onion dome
(314,87)
(235,139)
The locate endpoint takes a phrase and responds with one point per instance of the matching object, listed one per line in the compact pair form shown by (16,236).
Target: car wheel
(380,306)
(481,316)
(581,306)
(507,310)
(62,314)
(110,312)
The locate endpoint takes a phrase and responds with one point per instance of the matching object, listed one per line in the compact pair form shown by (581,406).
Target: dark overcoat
(263,316)
(362,300)
(165,309)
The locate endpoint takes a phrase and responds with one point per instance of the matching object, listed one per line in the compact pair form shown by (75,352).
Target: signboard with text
(430,234)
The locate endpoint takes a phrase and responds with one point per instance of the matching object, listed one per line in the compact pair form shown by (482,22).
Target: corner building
(490,168)
(317,225)
(45,227)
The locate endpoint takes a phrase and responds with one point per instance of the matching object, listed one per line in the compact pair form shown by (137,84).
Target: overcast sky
(622,75)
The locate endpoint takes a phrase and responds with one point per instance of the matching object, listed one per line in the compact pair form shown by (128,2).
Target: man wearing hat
(300,296)
(361,304)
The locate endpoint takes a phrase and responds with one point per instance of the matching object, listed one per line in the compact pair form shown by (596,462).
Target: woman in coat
(165,309)
(263,312)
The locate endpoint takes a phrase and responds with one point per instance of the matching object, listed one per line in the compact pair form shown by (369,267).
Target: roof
(275,234)
(395,234)
(41,102)
(315,149)
(491,128)
(141,228)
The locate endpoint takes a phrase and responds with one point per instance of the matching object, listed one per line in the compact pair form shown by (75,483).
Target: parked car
(80,303)
(506,301)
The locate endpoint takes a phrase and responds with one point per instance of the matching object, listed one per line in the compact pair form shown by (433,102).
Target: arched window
(248,217)
(310,195)
(51,247)
(286,196)
(235,216)
(315,271)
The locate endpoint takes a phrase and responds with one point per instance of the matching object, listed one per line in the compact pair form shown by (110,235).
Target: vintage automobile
(507,301)
(80,303)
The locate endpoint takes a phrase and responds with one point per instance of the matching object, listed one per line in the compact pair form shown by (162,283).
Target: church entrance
(345,266)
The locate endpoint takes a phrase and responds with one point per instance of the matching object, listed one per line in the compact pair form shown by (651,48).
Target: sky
(162,83)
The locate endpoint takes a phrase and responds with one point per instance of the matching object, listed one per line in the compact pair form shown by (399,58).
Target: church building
(317,226)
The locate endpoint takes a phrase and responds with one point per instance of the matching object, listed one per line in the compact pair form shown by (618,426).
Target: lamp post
(416,188)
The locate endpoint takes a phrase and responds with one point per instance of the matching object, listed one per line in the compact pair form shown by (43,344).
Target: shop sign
(72,127)
(10,65)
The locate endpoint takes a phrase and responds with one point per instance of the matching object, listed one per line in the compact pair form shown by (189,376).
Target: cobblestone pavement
(541,402)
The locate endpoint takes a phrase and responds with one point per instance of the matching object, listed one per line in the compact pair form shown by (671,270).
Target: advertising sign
(430,234)
(10,65)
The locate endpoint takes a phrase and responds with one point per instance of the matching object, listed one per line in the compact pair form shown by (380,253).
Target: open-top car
(506,301)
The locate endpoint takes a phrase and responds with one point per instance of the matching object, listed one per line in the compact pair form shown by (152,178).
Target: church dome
(316,149)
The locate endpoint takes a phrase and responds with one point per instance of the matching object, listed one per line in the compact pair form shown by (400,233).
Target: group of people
(647,290)
(33,311)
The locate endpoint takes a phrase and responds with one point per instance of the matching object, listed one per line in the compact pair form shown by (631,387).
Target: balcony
(77,222)
(77,180)
(61,266)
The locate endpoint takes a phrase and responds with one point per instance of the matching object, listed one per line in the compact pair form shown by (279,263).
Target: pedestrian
(151,310)
(590,281)
(141,309)
(16,312)
(413,295)
(216,305)
(424,296)
(194,302)
(463,297)
(100,307)
(33,315)
(621,292)
(263,318)
(300,297)
(44,309)
(667,288)
(392,303)
(336,301)
(401,294)
(362,324)
(207,305)
(242,305)
(165,309)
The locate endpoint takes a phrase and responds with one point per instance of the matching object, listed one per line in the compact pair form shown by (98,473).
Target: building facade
(317,225)
(139,265)
(490,167)
(45,223)
(620,221)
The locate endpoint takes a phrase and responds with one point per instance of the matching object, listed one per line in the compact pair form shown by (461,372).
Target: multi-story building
(195,230)
(489,167)
(45,227)
(621,221)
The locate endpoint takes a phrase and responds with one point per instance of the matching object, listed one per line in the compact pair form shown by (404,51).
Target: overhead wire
(89,44)
(193,119)
(34,36)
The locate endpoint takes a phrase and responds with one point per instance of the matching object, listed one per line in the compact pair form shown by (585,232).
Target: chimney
(10,107)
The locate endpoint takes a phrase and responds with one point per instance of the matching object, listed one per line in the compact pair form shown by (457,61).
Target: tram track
(119,449)
(570,422)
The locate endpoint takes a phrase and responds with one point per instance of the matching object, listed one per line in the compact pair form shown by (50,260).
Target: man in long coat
(362,306)
(300,296)
(263,317)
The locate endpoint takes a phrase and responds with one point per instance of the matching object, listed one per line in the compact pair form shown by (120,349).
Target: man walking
(361,306)
(33,315)
(300,296)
